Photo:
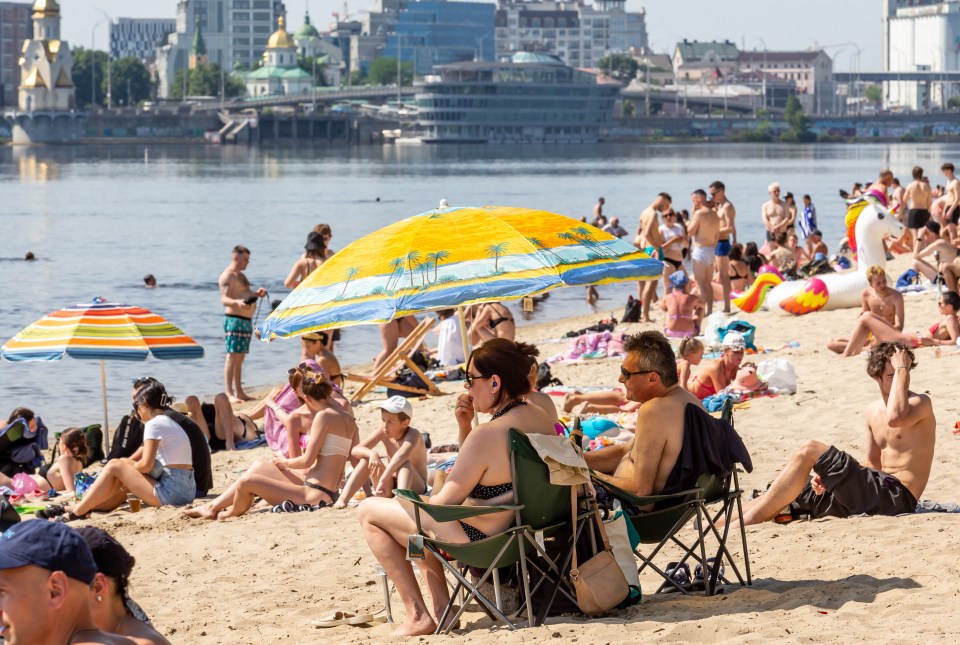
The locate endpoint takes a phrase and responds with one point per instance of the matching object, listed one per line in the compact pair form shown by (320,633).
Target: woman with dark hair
(164,473)
(312,479)
(59,475)
(753,259)
(113,609)
(497,383)
(944,331)
(315,252)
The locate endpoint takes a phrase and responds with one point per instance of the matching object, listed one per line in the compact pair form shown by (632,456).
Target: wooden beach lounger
(400,354)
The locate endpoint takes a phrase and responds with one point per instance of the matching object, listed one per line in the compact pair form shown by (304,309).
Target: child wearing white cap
(406,458)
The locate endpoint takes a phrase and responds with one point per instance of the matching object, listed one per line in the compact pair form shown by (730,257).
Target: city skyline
(758,23)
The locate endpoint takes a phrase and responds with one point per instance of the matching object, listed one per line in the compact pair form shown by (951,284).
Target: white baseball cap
(734,340)
(398,404)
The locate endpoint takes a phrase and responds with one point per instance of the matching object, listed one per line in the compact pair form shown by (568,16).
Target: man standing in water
(239,302)
(650,240)
(728,236)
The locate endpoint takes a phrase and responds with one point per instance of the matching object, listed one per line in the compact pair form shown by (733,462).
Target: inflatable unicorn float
(868,221)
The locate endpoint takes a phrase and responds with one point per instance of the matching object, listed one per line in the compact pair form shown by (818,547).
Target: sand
(262,577)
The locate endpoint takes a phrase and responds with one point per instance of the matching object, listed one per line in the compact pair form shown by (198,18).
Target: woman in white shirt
(674,242)
(164,473)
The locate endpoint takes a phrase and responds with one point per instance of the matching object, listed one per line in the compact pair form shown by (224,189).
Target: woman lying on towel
(313,478)
(496,384)
(944,331)
(718,373)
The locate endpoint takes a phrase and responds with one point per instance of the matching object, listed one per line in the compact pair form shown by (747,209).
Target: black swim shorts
(917,217)
(852,489)
(953,214)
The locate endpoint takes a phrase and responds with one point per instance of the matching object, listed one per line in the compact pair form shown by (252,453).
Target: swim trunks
(770,236)
(852,489)
(656,253)
(238,331)
(953,214)
(723,248)
(701,254)
(917,217)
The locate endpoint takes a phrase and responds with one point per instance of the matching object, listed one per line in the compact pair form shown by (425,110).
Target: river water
(100,218)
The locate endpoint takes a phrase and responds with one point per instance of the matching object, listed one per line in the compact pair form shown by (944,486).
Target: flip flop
(52,511)
(334,619)
(361,619)
(286,507)
(680,574)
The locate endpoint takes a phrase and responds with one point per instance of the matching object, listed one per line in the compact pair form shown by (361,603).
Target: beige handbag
(599,583)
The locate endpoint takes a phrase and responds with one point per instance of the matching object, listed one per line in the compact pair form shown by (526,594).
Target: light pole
(763,71)
(901,65)
(109,21)
(93,64)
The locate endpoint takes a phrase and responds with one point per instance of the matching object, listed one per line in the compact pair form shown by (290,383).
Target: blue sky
(749,23)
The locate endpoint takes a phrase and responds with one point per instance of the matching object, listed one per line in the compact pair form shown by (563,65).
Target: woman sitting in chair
(496,384)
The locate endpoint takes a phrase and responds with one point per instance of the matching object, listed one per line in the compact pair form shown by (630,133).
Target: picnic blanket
(592,345)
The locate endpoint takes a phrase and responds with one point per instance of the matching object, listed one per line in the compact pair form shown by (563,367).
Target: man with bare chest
(650,240)
(704,230)
(878,299)
(774,213)
(728,236)
(239,302)
(917,199)
(901,435)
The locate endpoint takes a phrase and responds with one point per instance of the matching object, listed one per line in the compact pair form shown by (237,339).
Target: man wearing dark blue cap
(46,570)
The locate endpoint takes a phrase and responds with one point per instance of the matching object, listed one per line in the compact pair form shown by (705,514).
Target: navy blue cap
(48,545)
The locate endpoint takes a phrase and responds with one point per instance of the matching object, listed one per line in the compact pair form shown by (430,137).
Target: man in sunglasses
(649,376)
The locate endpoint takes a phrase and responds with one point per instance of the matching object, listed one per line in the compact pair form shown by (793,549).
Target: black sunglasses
(627,374)
(470,378)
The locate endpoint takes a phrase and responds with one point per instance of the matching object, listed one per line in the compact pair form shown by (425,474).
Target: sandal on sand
(51,512)
(680,574)
(340,618)
(70,516)
(286,507)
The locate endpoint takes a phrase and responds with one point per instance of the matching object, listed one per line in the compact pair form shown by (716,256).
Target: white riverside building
(920,35)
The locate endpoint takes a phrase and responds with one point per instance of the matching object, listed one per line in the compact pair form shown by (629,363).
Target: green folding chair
(541,514)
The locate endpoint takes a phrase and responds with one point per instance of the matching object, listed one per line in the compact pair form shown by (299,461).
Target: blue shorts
(723,248)
(175,487)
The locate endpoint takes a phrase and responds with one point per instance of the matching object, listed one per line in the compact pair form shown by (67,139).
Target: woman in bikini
(739,273)
(496,385)
(718,373)
(313,478)
(683,310)
(491,320)
(222,427)
(944,331)
(314,254)
(674,242)
(390,335)
(58,475)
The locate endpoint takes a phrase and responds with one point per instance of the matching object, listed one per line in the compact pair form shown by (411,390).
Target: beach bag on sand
(778,373)
(598,582)
(82,483)
(8,514)
(743,328)
(126,438)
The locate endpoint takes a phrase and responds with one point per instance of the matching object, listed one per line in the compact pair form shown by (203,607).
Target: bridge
(696,102)
(321,96)
(880,77)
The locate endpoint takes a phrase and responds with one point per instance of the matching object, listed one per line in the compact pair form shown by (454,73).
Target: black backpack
(126,438)
(545,378)
(631,313)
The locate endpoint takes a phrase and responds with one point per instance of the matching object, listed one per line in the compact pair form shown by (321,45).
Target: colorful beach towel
(593,345)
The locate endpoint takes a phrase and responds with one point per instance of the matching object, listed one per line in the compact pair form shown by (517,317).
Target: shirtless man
(934,244)
(774,213)
(314,346)
(882,184)
(901,433)
(716,374)
(649,376)
(951,210)
(650,240)
(917,199)
(878,299)
(728,236)
(46,570)
(899,195)
(239,301)
(815,244)
(781,257)
(598,209)
(704,230)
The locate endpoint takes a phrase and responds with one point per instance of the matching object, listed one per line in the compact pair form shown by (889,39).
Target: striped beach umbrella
(104,331)
(451,257)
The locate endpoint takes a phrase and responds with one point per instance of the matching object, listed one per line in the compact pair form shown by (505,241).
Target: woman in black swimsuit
(496,385)
(491,320)
(58,475)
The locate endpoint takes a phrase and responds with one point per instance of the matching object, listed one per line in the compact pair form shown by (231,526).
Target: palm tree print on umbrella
(584,235)
(436,258)
(494,251)
(396,267)
(349,275)
(542,248)
(413,261)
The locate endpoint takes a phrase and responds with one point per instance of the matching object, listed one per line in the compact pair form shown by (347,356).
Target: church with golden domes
(280,74)
(45,64)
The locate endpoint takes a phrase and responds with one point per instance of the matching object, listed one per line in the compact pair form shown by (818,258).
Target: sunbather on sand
(900,444)
(878,299)
(496,384)
(313,478)
(649,375)
(718,373)
(315,346)
(222,427)
(944,331)
(59,475)
(406,465)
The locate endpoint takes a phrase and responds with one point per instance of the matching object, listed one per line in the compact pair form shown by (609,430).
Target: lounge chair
(400,355)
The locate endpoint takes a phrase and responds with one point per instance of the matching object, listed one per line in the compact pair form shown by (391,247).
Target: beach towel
(592,346)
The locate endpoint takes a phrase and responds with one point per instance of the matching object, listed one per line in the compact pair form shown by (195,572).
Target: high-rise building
(235,34)
(139,37)
(921,36)
(15,27)
(578,33)
(437,32)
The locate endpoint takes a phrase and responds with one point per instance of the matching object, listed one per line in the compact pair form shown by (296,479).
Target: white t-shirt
(670,232)
(450,343)
(174,445)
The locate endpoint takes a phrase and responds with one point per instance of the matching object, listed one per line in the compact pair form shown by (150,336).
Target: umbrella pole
(103,387)
(466,349)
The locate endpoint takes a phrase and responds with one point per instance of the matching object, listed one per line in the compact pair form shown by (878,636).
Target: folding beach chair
(400,355)
(672,512)
(541,516)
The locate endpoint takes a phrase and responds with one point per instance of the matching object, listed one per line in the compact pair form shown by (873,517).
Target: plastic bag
(711,328)
(778,373)
(23,484)
(82,483)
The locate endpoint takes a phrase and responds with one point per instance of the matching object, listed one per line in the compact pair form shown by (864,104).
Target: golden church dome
(280,38)
(43,8)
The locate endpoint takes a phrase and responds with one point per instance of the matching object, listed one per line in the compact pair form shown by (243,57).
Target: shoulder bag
(599,583)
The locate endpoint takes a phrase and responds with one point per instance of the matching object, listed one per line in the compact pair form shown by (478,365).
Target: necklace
(507,408)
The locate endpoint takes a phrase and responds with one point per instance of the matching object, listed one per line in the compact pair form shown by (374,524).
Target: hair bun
(528,349)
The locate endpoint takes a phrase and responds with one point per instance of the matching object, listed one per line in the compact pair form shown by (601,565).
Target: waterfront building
(920,36)
(578,33)
(280,74)
(139,37)
(15,27)
(810,71)
(235,33)
(313,45)
(46,84)
(693,60)
(436,32)
(533,98)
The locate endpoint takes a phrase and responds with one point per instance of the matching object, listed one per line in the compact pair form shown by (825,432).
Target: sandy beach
(263,577)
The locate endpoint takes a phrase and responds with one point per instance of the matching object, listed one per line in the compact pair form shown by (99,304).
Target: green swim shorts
(238,331)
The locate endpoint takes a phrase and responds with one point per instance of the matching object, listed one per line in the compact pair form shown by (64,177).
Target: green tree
(129,74)
(798,120)
(383,71)
(204,80)
(86,62)
(619,66)
(874,94)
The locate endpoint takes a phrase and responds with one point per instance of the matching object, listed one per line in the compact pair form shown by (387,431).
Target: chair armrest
(645,500)
(449,513)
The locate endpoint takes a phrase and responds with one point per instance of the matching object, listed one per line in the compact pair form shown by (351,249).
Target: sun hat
(678,279)
(396,405)
(48,545)
(734,340)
